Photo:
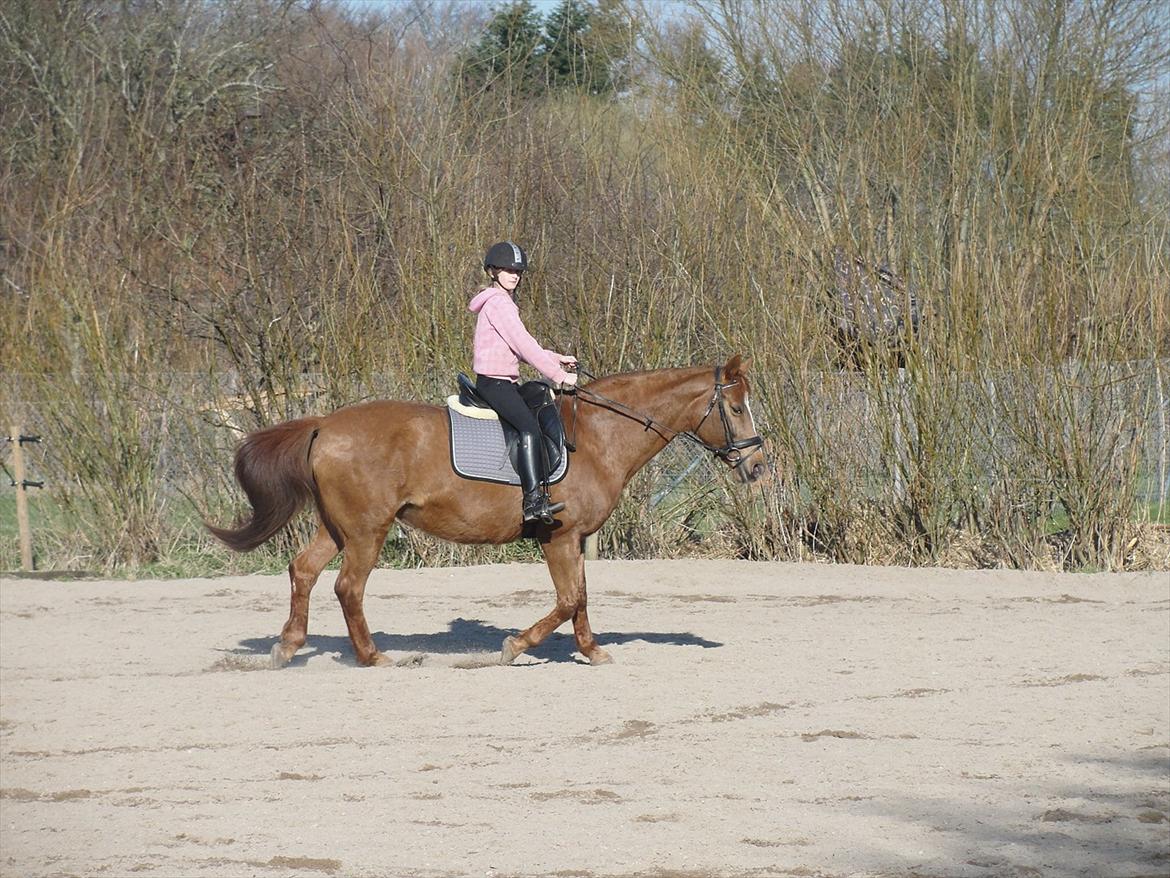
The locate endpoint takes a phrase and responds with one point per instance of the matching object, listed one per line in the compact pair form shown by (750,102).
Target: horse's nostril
(757,471)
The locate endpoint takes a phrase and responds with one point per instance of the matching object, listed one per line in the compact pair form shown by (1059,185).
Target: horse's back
(382,416)
(386,435)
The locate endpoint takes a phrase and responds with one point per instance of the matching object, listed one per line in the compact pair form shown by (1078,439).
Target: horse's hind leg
(303,572)
(360,557)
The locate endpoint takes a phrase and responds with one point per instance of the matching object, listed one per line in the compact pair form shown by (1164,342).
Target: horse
(367,465)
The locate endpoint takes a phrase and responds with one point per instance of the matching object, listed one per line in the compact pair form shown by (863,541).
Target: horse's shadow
(466,636)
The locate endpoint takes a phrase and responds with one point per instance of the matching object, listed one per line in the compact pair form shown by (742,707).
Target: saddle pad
(478,451)
(471,411)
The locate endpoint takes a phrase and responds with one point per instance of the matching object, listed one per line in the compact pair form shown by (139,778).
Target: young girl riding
(501,342)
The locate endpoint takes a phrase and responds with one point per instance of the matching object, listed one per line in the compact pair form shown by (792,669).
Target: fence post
(26,559)
(901,450)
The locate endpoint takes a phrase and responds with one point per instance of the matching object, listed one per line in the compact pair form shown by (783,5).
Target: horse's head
(728,428)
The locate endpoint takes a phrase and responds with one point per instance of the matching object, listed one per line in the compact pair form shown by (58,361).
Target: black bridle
(731,452)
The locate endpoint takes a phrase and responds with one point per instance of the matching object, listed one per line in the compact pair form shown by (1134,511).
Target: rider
(501,341)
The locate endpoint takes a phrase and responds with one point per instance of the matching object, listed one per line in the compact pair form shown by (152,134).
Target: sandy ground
(759,719)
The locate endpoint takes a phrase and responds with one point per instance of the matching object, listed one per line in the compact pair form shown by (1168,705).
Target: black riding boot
(530,468)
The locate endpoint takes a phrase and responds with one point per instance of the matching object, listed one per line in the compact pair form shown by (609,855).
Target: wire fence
(875,438)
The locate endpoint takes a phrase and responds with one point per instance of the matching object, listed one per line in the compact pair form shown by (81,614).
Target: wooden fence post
(26,559)
(591,547)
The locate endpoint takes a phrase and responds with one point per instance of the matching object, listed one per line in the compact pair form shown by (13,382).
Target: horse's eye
(737,410)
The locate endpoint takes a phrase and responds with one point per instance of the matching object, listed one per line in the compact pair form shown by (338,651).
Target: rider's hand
(568,363)
(570,380)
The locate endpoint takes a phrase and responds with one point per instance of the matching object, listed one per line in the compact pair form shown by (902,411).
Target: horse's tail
(272,466)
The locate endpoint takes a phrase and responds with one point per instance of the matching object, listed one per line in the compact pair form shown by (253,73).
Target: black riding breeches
(504,396)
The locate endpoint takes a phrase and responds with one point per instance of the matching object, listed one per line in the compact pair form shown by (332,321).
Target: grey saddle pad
(478,449)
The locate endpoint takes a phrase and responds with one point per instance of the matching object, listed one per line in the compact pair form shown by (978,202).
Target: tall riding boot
(529,466)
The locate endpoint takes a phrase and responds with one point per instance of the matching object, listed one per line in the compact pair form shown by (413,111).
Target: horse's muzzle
(751,468)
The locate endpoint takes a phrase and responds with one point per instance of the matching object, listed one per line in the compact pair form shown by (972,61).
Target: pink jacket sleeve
(505,319)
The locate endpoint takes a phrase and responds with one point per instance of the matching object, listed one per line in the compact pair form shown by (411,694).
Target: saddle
(484,448)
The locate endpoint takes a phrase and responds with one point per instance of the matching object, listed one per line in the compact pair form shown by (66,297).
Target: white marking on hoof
(600,657)
(279,660)
(512,648)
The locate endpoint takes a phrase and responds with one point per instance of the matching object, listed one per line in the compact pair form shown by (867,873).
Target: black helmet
(505,255)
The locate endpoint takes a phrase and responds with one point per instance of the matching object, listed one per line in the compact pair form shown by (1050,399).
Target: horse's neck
(670,397)
(667,395)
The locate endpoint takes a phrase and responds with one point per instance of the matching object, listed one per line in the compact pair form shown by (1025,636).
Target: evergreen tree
(580,46)
(508,53)
(565,32)
(586,46)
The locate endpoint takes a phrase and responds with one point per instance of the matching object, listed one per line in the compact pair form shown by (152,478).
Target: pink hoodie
(501,340)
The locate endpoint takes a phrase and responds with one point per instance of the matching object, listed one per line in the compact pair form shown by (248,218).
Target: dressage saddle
(540,398)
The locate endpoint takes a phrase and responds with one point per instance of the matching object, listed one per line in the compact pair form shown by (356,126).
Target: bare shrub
(216,217)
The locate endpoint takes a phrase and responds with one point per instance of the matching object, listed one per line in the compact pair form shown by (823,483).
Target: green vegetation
(581,47)
(218,215)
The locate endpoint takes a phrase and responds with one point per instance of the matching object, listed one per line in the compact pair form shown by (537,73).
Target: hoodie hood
(480,299)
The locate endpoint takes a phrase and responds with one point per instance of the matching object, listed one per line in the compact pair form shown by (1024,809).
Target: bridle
(730,452)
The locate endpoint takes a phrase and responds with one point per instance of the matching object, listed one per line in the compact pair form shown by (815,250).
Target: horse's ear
(735,368)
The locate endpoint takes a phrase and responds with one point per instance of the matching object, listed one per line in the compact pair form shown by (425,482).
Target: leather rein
(731,452)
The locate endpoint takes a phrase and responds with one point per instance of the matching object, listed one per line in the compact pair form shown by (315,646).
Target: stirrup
(540,509)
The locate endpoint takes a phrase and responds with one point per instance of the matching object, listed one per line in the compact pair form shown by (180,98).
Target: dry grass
(286,216)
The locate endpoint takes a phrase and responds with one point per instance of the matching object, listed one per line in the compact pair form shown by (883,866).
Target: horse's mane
(617,380)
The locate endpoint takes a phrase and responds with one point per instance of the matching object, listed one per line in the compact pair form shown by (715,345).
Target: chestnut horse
(369,464)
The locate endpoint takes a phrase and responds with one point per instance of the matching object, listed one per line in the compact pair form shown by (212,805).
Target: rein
(731,452)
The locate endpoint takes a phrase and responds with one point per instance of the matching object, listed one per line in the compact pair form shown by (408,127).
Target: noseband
(731,452)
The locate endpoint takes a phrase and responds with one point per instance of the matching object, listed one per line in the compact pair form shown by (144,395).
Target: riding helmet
(507,255)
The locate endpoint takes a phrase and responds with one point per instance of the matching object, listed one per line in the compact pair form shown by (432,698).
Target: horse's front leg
(585,641)
(566,565)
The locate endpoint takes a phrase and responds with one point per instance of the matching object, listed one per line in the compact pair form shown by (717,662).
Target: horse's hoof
(381,660)
(512,648)
(279,659)
(600,657)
